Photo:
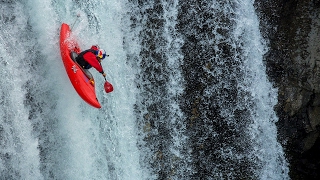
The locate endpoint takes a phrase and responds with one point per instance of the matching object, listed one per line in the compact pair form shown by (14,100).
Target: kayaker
(92,58)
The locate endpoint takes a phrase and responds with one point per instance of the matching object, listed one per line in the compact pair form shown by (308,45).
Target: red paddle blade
(108,87)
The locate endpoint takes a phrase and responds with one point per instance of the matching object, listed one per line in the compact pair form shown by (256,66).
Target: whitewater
(191,96)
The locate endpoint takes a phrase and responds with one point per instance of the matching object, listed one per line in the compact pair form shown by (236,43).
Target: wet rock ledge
(292,28)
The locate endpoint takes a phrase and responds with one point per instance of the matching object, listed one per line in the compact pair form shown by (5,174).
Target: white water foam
(19,153)
(175,85)
(267,151)
(93,144)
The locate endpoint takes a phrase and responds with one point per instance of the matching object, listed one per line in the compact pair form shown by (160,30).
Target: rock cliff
(292,29)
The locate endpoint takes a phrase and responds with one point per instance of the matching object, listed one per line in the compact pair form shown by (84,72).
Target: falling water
(191,97)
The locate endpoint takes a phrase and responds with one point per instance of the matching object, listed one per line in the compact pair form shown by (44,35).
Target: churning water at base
(191,98)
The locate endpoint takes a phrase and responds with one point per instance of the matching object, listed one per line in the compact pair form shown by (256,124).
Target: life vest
(82,62)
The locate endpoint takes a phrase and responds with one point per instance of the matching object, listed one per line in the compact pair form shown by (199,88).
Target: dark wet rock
(293,63)
(314,117)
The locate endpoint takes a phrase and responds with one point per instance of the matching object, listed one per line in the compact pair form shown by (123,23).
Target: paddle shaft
(78,15)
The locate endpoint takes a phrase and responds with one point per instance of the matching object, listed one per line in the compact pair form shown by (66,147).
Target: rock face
(292,28)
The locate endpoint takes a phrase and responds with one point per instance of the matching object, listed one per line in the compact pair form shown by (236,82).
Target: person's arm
(103,73)
(92,60)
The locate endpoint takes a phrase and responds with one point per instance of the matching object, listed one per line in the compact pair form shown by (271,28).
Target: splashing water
(191,97)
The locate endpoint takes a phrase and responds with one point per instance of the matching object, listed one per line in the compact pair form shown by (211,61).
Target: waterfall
(191,96)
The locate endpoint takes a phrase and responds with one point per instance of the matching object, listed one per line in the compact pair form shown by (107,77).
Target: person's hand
(104,74)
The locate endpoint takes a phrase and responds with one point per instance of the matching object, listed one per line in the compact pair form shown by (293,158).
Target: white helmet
(101,53)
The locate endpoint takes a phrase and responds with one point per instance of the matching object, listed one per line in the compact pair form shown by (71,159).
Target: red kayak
(81,79)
